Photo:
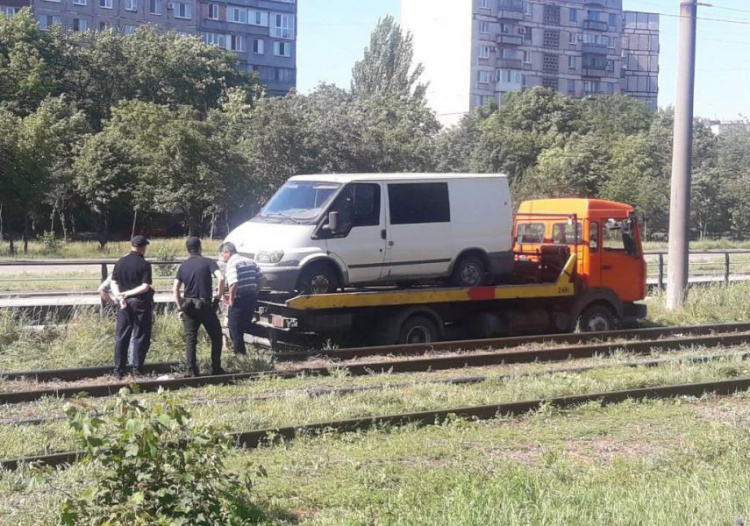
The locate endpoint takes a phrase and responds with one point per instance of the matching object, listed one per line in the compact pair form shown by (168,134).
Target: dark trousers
(193,318)
(239,319)
(133,322)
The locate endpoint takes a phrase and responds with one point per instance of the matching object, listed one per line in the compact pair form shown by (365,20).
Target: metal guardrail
(719,266)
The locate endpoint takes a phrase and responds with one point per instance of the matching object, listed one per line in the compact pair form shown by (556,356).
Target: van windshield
(300,202)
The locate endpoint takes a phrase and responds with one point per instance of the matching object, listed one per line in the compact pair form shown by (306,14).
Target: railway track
(75,374)
(644,347)
(461,380)
(255,438)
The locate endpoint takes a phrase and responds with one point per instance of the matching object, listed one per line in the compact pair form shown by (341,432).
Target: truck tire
(596,318)
(418,329)
(470,271)
(318,278)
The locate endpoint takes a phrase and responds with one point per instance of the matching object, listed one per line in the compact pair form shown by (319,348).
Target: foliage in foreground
(152,465)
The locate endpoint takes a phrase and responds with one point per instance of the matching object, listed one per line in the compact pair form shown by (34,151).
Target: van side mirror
(333,222)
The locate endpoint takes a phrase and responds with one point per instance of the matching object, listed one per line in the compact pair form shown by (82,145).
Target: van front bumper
(280,278)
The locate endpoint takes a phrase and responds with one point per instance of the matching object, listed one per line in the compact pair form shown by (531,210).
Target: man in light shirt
(244,279)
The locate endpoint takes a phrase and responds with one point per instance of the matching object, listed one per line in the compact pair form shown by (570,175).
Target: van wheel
(418,329)
(318,278)
(596,318)
(470,271)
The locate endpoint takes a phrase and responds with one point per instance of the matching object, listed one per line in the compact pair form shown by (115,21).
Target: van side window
(358,205)
(594,236)
(416,203)
(530,233)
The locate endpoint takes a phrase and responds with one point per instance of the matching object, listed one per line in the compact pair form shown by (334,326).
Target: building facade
(262,33)
(476,51)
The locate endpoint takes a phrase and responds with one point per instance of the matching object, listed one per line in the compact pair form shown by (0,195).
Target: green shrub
(165,252)
(153,466)
(50,244)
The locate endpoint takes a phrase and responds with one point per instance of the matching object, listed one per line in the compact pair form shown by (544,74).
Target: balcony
(507,38)
(510,9)
(594,49)
(510,63)
(594,71)
(595,25)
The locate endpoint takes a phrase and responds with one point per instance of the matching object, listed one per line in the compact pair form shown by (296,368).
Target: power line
(728,8)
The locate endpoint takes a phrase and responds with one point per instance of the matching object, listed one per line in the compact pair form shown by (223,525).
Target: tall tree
(387,67)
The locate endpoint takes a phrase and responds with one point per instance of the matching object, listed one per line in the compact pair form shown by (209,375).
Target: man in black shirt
(131,286)
(198,306)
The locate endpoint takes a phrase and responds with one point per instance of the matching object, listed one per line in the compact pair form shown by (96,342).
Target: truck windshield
(300,202)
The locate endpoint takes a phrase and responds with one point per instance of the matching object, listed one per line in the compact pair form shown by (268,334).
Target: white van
(323,232)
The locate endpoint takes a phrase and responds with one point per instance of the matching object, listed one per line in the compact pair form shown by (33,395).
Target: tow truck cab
(578,265)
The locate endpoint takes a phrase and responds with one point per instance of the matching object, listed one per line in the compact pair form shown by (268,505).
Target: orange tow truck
(578,265)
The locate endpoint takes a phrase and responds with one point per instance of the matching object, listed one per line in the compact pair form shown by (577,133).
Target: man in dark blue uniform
(131,286)
(198,306)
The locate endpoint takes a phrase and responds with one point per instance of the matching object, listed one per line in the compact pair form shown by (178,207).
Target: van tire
(418,329)
(596,318)
(470,271)
(318,278)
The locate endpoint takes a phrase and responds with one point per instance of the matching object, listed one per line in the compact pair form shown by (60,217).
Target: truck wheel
(318,278)
(596,318)
(470,271)
(418,329)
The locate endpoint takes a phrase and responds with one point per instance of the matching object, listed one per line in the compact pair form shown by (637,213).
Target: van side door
(418,231)
(359,243)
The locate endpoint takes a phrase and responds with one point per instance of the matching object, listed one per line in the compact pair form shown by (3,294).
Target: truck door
(620,259)
(359,243)
(418,232)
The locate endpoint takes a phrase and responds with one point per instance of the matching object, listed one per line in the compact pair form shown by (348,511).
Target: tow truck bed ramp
(563,287)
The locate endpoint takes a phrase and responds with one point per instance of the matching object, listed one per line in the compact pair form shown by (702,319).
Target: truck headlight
(269,257)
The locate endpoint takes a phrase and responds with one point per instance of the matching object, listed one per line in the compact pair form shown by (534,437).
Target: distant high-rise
(475,51)
(262,33)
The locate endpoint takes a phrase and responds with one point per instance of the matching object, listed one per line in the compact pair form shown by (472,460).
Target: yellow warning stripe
(563,287)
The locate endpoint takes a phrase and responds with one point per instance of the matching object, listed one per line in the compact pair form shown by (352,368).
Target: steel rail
(74,374)
(394,366)
(256,438)
(460,380)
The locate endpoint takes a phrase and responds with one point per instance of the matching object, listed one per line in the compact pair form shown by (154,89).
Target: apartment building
(262,33)
(475,51)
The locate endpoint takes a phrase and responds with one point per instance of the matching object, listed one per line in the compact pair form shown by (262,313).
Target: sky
(333,35)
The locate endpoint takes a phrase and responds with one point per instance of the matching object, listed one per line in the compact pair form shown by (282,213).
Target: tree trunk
(1,222)
(12,246)
(72,225)
(26,235)
(52,217)
(213,224)
(63,223)
(135,222)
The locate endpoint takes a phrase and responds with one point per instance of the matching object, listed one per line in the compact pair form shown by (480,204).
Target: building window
(527,57)
(282,49)
(285,75)
(594,15)
(484,27)
(80,2)
(484,4)
(610,88)
(128,29)
(259,46)
(183,10)
(103,26)
(105,4)
(573,14)
(9,12)
(283,26)
(80,24)
(214,39)
(257,18)
(485,77)
(509,76)
(573,39)
(591,86)
(213,11)
(571,86)
(613,19)
(236,43)
(154,7)
(571,62)
(549,83)
(237,15)
(528,9)
(131,5)
(46,21)
(484,51)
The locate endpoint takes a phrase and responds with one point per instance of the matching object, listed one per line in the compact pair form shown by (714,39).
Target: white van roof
(348,178)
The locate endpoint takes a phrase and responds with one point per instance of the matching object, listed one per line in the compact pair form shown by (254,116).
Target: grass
(708,244)
(174,247)
(660,462)
(705,304)
(297,407)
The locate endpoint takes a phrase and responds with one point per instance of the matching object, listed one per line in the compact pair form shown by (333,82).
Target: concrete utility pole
(679,213)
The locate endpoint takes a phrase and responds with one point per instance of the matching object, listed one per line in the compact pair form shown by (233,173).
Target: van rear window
(417,203)
(530,233)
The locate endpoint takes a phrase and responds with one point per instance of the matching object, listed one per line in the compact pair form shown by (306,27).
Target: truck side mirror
(333,222)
